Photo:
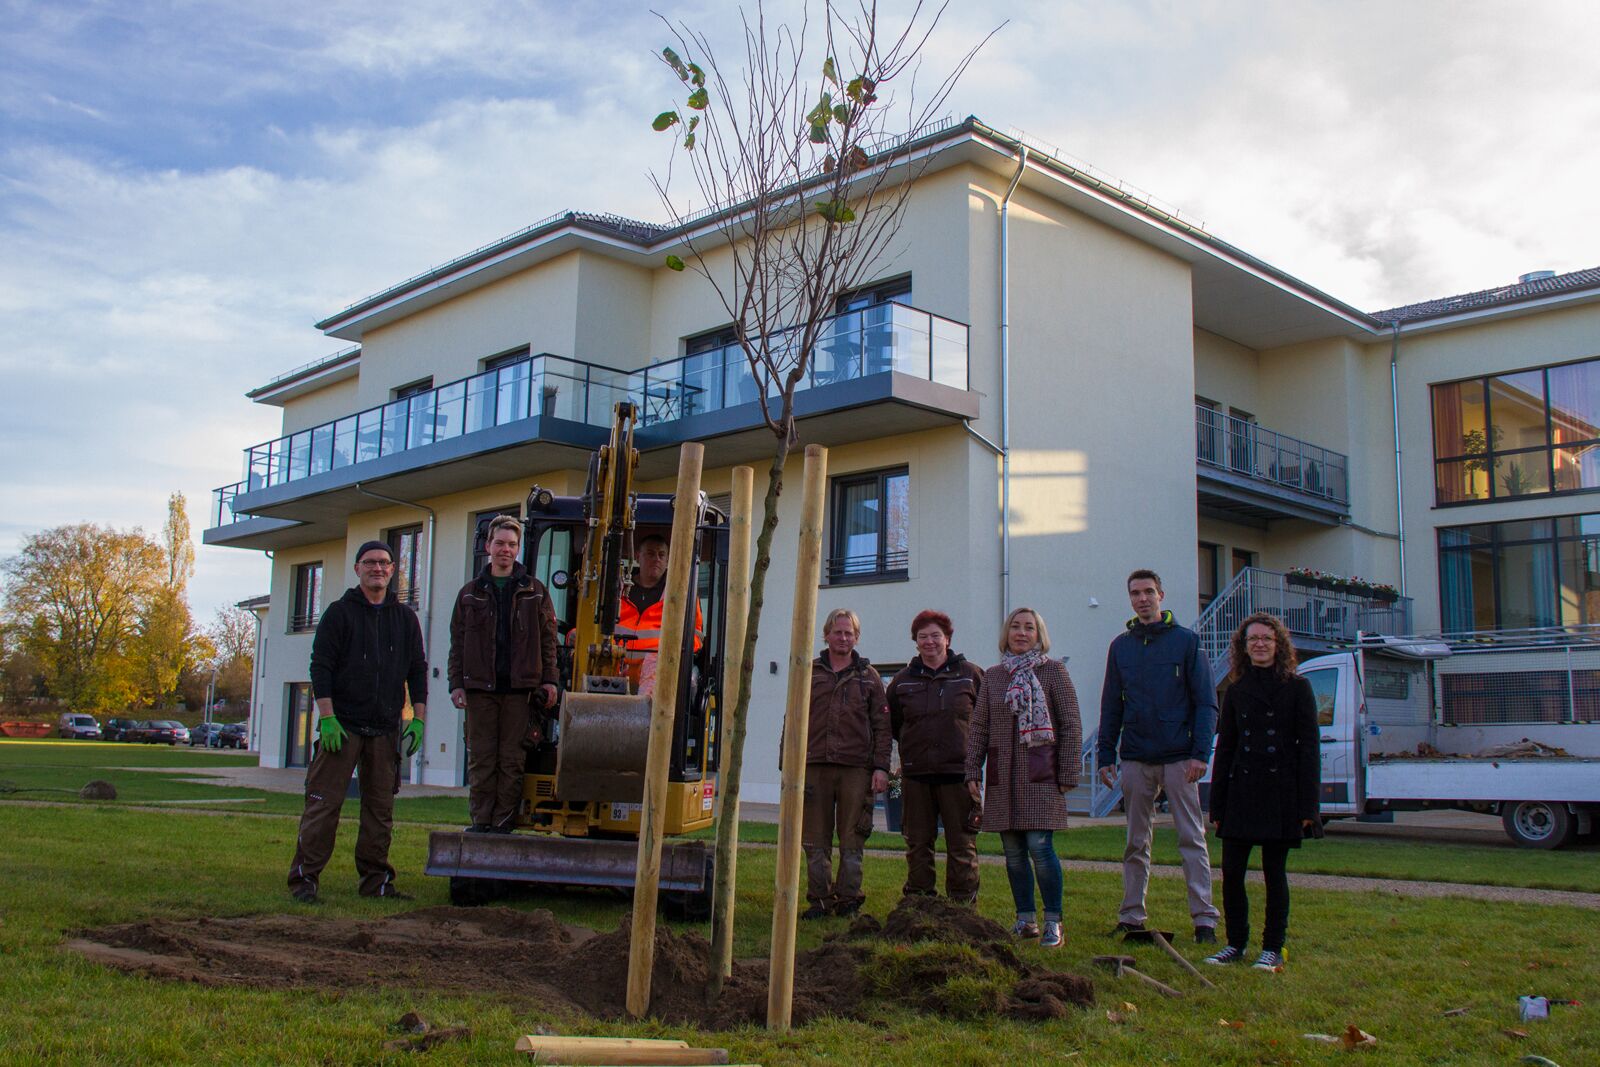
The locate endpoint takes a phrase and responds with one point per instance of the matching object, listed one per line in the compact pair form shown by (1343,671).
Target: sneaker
(1226,956)
(816,911)
(1025,929)
(1269,961)
(1127,928)
(1051,938)
(305,894)
(1205,935)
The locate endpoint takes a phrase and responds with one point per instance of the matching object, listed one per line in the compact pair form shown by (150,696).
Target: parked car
(234,735)
(205,733)
(77,726)
(160,732)
(117,729)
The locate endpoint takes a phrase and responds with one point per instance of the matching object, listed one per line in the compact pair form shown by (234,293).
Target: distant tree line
(97,620)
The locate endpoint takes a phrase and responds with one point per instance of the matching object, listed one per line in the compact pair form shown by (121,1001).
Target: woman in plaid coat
(1025,745)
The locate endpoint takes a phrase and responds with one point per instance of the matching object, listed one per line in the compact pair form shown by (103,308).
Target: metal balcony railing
(1228,443)
(1307,610)
(882,338)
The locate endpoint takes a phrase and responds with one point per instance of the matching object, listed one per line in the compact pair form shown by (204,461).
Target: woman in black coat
(1266,782)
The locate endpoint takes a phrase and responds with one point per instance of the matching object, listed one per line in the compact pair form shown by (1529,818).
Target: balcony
(1248,473)
(547,412)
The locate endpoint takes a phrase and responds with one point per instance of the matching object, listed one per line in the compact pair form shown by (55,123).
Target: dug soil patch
(929,955)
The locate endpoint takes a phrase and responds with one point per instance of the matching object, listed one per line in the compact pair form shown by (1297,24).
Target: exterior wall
(537,307)
(1463,352)
(324,405)
(1227,372)
(285,656)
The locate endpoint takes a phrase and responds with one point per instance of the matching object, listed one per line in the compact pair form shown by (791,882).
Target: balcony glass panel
(849,346)
(449,404)
(322,448)
(511,393)
(1241,447)
(344,442)
(395,417)
(480,401)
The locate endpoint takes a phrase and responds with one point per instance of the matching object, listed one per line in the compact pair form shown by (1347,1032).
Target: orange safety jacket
(646,624)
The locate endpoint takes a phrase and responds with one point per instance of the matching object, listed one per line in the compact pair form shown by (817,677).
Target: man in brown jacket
(930,705)
(502,660)
(847,761)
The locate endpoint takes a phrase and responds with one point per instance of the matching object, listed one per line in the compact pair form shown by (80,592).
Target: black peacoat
(1267,775)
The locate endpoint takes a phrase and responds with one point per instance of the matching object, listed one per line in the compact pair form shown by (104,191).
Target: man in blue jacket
(1159,702)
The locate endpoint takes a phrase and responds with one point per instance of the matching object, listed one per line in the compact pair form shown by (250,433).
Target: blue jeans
(1030,853)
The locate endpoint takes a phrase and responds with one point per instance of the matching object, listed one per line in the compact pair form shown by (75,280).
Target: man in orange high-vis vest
(640,612)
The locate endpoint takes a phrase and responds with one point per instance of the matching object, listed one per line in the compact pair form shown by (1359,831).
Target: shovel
(1164,939)
(1121,965)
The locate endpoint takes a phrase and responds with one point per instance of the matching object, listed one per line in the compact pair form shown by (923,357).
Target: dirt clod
(929,955)
(99,789)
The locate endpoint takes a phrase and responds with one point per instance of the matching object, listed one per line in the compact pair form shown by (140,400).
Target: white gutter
(1005,381)
(427,603)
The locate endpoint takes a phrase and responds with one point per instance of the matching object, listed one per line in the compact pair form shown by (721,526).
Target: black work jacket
(365,657)
(1268,771)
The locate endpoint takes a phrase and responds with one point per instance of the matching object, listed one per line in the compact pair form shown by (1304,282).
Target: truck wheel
(1539,824)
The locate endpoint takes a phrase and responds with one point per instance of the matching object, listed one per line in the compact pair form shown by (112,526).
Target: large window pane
(897,516)
(1575,402)
(1466,590)
(1458,427)
(1580,582)
(1521,473)
(1577,467)
(871,535)
(1527,586)
(1516,404)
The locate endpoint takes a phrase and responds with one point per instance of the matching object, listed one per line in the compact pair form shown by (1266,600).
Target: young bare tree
(807,153)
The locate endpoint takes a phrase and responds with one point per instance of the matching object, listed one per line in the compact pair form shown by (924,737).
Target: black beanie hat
(370,545)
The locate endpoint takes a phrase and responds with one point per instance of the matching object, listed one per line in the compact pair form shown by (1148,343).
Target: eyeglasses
(379,564)
(1260,639)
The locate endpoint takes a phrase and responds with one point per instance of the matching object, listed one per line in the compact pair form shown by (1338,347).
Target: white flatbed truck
(1504,723)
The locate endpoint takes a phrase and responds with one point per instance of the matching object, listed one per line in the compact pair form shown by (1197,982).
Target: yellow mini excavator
(579,821)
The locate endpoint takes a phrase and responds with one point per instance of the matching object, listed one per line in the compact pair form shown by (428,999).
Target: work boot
(1127,928)
(305,893)
(1205,935)
(816,911)
(848,908)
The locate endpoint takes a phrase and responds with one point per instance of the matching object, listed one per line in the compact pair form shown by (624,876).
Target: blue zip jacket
(1158,699)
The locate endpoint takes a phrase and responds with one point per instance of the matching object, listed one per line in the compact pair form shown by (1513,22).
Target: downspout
(1005,380)
(427,602)
(1394,407)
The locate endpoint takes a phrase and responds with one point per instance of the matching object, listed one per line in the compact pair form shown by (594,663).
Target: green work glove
(330,733)
(411,737)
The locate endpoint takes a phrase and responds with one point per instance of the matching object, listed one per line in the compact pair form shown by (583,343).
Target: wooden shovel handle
(1163,988)
(1157,937)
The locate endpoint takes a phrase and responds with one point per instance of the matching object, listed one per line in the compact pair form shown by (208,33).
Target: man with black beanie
(366,657)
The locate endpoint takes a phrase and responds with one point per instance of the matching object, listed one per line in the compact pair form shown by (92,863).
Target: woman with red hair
(930,704)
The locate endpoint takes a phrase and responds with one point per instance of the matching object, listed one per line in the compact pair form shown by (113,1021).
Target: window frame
(303,617)
(1492,455)
(414,580)
(884,568)
(1496,544)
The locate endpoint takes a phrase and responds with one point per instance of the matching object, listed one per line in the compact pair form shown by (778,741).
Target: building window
(480,536)
(416,388)
(302,725)
(405,544)
(1517,434)
(307,598)
(871,532)
(1519,575)
(897,290)
(1209,556)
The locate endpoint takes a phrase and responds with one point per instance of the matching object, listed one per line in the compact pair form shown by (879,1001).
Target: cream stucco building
(1154,397)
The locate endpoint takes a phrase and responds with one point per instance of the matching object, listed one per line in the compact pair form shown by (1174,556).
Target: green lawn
(1392,966)
(64,766)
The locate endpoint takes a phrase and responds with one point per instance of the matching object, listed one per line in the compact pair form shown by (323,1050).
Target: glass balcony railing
(854,345)
(1237,445)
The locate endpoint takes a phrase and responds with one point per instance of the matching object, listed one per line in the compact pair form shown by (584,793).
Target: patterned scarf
(1025,697)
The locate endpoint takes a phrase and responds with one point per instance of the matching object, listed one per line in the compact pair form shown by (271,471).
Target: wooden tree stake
(796,727)
(663,708)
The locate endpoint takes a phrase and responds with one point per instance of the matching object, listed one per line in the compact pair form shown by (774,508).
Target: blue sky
(185,187)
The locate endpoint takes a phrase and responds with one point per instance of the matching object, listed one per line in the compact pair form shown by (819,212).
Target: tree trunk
(732,765)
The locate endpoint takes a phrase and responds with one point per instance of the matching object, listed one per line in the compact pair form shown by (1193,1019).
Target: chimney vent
(1535,276)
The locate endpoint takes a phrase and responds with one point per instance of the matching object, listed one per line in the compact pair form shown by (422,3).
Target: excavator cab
(579,822)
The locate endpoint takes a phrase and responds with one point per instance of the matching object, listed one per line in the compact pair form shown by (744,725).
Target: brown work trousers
(837,798)
(377,761)
(923,806)
(496,760)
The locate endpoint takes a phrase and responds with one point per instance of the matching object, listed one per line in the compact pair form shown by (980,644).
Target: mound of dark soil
(929,955)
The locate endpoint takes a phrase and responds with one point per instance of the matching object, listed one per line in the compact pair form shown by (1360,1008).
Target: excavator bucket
(569,861)
(605,741)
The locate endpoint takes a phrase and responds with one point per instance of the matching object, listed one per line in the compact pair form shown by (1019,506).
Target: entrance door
(301,725)
(1336,733)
